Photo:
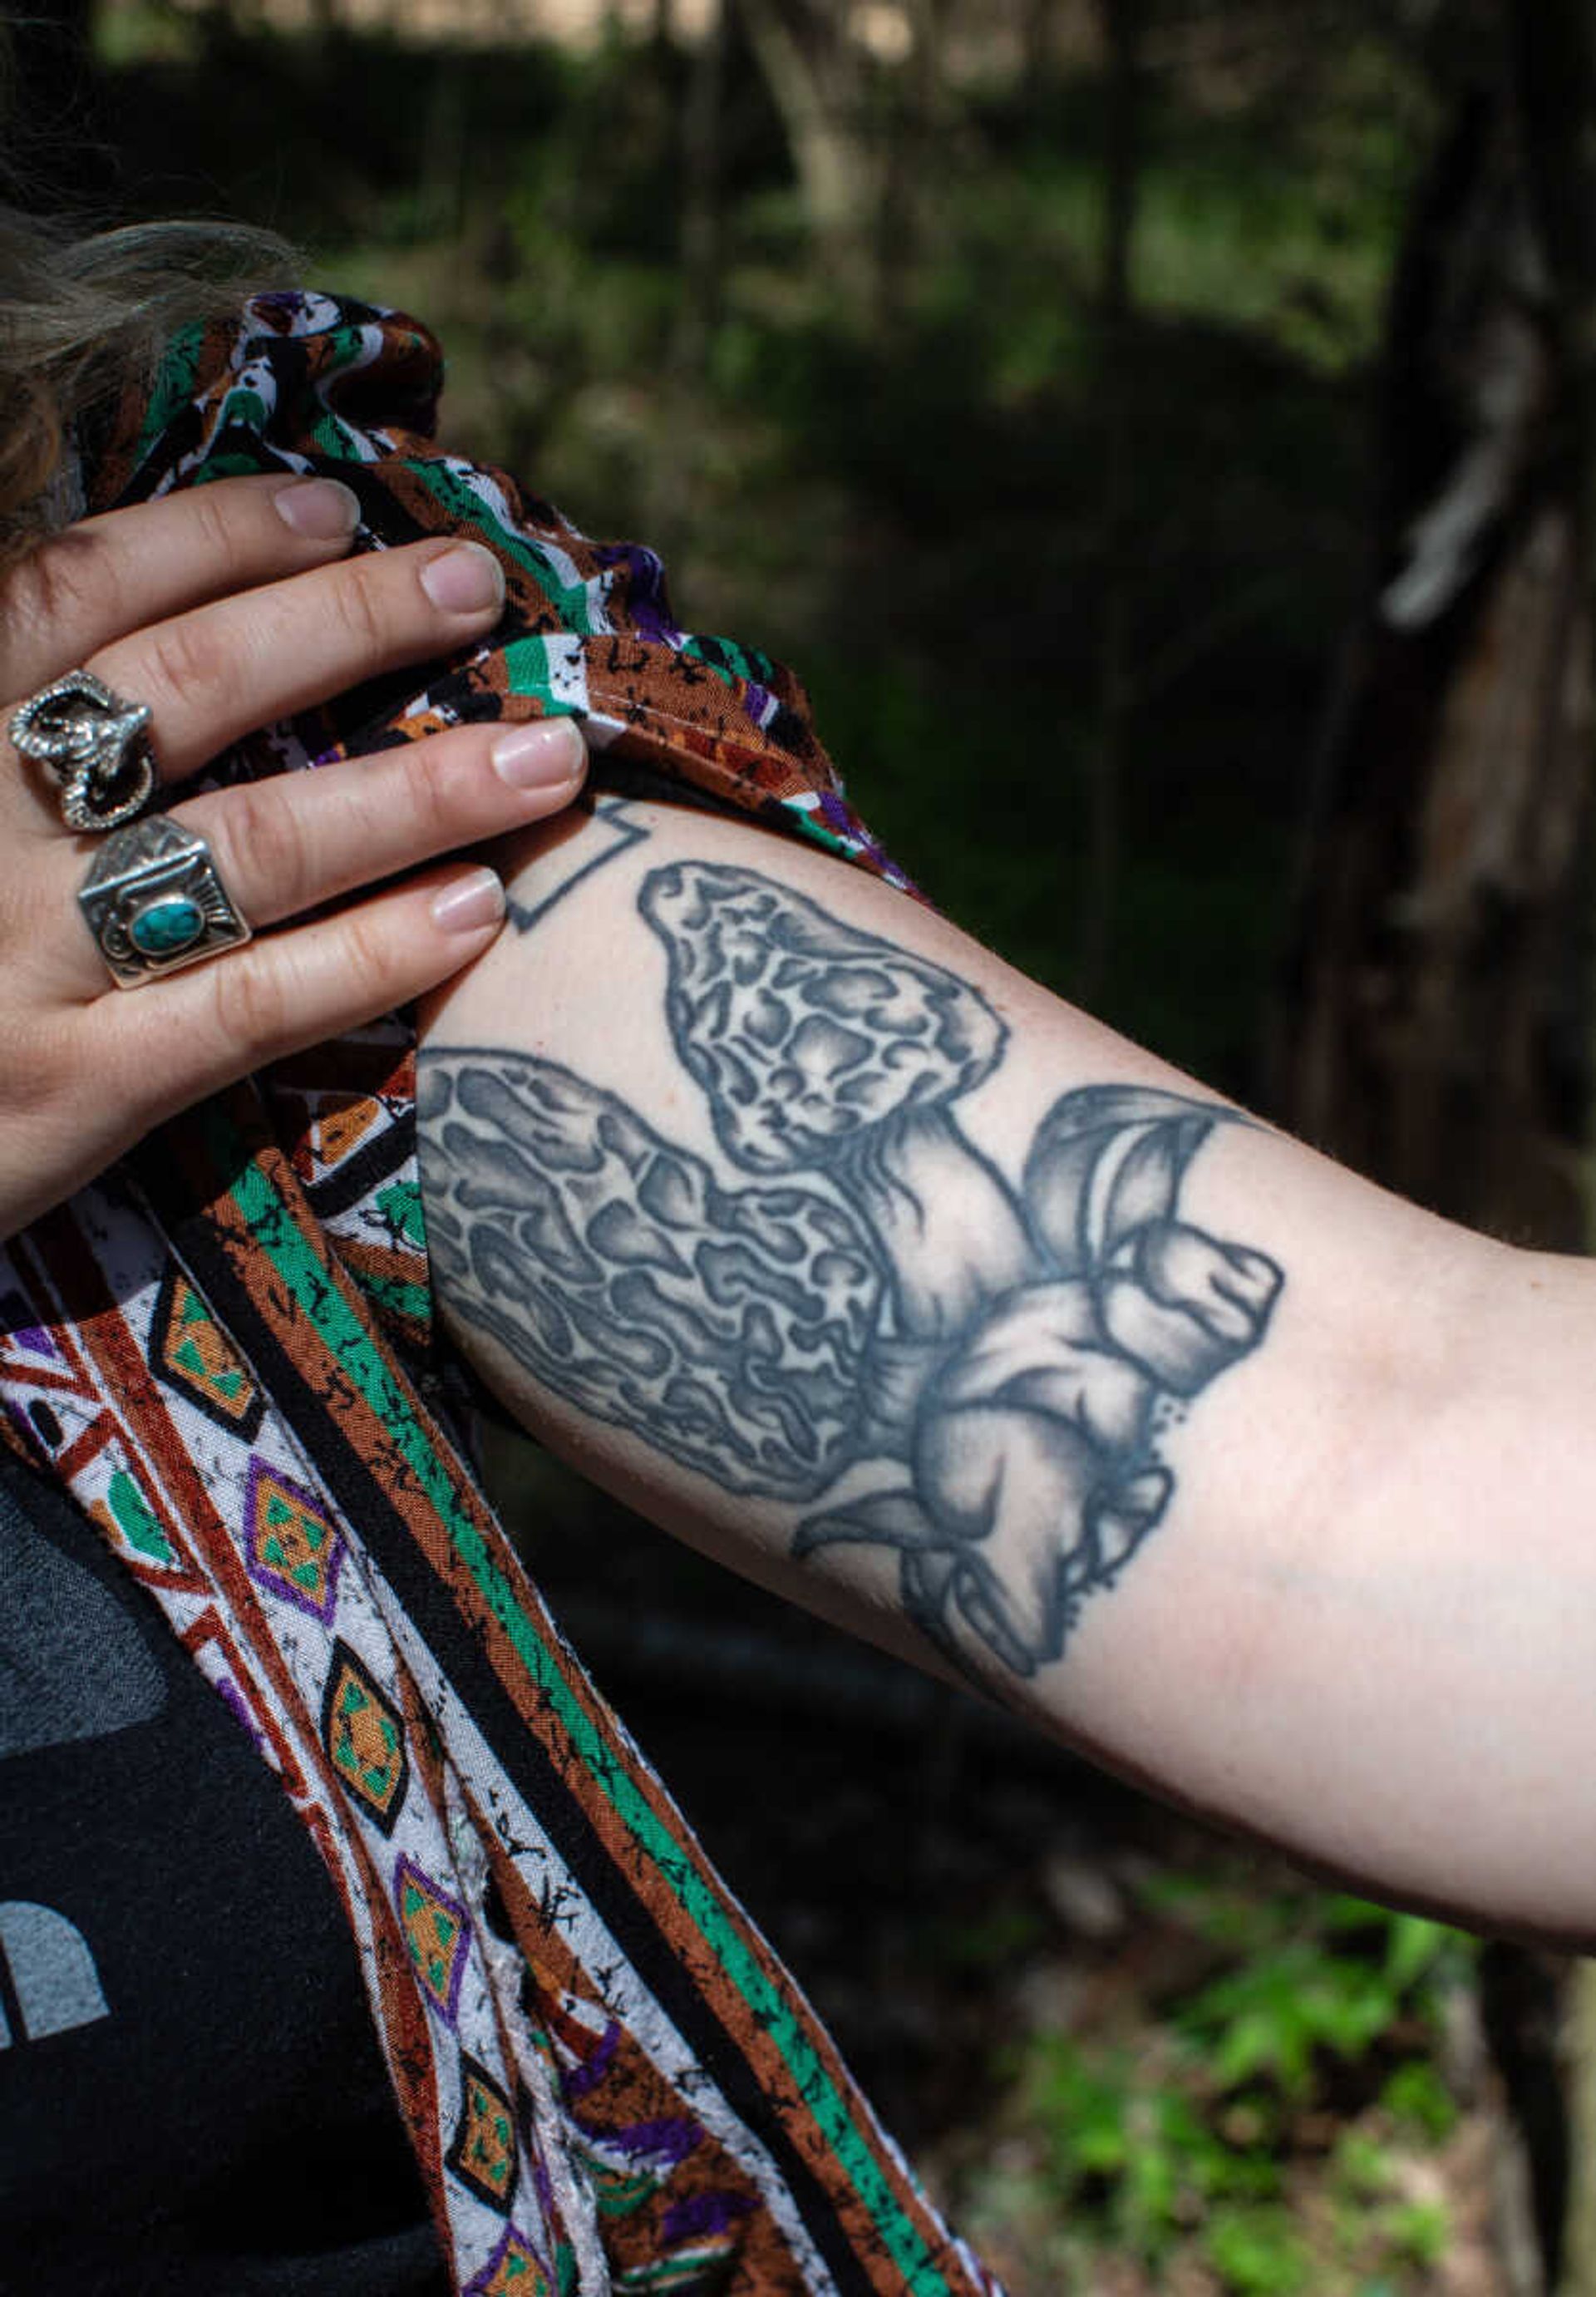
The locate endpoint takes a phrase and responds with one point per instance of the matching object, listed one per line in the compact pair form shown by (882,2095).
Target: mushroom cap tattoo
(875,1324)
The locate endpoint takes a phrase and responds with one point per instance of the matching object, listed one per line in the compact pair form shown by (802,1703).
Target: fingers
(160,1049)
(293,843)
(239,662)
(299,840)
(107,576)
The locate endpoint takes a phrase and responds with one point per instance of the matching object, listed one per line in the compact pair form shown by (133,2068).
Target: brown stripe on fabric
(646,1882)
(633,2094)
(107,1339)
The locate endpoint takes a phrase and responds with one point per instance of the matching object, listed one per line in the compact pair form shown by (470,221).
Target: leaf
(1413,1947)
(1258,2252)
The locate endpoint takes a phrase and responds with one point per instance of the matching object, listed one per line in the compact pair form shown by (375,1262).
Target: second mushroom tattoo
(860,1315)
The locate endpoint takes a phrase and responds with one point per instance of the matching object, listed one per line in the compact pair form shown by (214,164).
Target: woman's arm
(831,1243)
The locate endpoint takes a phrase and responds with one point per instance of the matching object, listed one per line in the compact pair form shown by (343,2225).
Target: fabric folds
(224,1350)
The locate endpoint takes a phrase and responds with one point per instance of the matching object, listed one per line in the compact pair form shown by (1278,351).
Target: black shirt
(192,2097)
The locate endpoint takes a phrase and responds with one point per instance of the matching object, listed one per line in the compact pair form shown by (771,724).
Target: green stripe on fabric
(818,834)
(463,506)
(136,1520)
(400,1298)
(400,1203)
(242,406)
(336,439)
(530,672)
(174,384)
(692,2270)
(233,466)
(361,1362)
(730,661)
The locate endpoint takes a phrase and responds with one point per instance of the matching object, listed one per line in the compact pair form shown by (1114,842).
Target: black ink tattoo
(611,831)
(874,1326)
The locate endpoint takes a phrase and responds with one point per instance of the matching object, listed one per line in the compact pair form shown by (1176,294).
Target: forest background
(1159,431)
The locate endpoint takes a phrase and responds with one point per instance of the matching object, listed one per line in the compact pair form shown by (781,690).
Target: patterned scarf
(225,1350)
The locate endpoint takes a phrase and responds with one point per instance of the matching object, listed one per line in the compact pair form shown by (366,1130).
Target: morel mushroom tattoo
(872,1325)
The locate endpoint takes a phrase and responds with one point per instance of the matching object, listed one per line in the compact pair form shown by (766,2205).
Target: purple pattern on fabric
(833,811)
(701,2213)
(580,2079)
(671,2139)
(453,1952)
(514,2246)
(232,1696)
(13,1313)
(645,592)
(542,2183)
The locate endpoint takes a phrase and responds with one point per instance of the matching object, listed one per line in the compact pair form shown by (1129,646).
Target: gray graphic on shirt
(52,1976)
(73,1664)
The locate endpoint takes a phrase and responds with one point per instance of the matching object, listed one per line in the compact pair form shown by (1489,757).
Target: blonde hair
(82,315)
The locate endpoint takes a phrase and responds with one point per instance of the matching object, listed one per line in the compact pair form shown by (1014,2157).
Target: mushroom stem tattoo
(869,1322)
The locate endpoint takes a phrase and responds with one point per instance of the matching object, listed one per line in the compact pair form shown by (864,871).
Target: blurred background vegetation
(1158,431)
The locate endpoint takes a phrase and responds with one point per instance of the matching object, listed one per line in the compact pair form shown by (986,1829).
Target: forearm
(843,1251)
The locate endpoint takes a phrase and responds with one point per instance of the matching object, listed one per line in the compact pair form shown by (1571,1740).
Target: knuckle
(251,994)
(428,796)
(257,837)
(183,658)
(62,585)
(365,606)
(213,511)
(35,1064)
(366,958)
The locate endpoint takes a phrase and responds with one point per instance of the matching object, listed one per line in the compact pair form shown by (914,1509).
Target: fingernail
(469,903)
(539,756)
(322,509)
(465,580)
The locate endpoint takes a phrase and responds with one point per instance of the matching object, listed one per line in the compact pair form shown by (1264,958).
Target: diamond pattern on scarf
(513,2271)
(364,1735)
(484,2152)
(437,1936)
(293,1549)
(190,1352)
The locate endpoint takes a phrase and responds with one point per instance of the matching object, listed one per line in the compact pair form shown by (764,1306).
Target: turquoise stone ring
(153,900)
(167,927)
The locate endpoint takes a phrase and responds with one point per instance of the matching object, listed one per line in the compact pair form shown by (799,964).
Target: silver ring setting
(155,902)
(94,745)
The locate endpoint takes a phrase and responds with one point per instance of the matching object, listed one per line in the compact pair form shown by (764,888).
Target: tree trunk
(1438,1016)
(1555,54)
(915,151)
(1429,1000)
(1124,24)
(812,71)
(675,465)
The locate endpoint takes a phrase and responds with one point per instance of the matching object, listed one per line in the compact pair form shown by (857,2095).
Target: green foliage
(1258,2252)
(1295,1996)
(1324,2013)
(902,490)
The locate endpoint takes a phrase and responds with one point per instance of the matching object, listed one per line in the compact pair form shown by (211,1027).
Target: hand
(225,609)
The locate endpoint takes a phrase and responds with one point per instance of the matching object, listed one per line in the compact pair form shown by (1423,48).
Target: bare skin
(224,609)
(851,1257)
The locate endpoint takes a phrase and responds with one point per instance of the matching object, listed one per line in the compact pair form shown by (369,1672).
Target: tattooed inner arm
(838,1248)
